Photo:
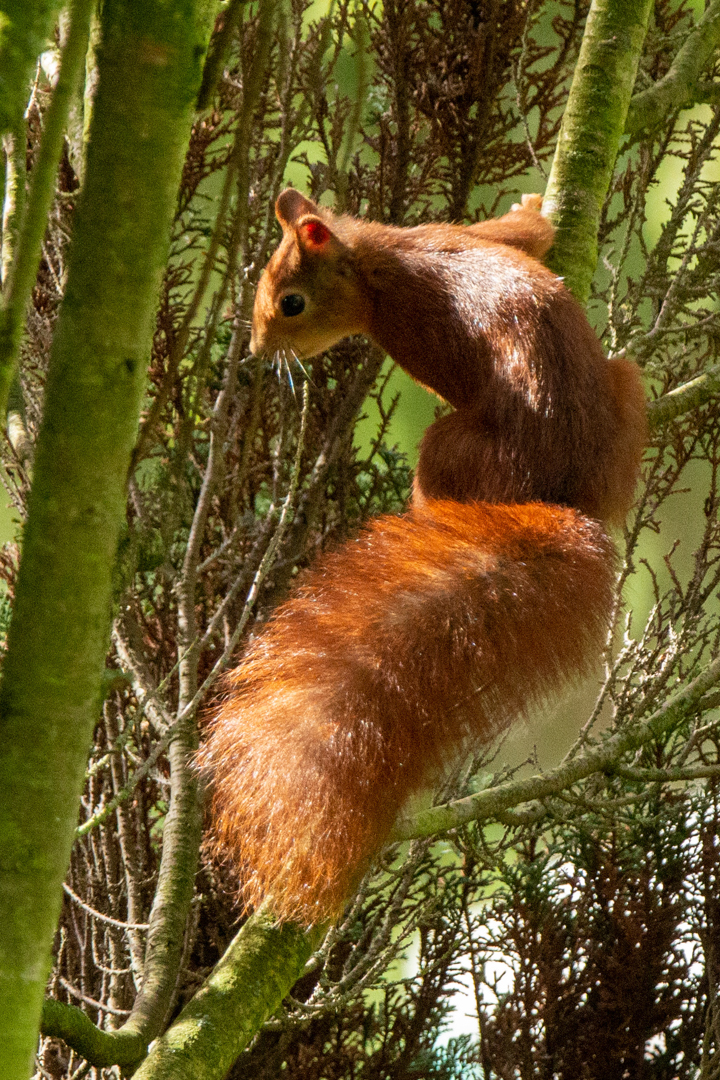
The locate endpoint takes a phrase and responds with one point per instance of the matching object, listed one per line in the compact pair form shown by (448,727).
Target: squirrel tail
(429,633)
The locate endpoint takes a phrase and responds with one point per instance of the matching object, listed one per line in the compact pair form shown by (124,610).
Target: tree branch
(246,986)
(489,804)
(691,395)
(24,267)
(13,210)
(681,86)
(24,29)
(182,831)
(74,1027)
(51,681)
(592,127)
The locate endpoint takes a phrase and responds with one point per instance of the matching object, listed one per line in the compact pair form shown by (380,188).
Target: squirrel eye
(292,304)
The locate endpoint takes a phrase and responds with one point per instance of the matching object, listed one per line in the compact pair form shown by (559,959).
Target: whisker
(289,375)
(282,361)
(300,364)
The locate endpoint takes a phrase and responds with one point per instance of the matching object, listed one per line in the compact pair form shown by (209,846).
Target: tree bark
(25,30)
(245,987)
(149,73)
(592,127)
(21,273)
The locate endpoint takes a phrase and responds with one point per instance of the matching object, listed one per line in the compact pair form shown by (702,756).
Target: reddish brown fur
(436,629)
(530,232)
(541,414)
(426,632)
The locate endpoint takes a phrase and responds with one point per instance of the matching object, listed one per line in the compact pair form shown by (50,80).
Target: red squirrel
(434,630)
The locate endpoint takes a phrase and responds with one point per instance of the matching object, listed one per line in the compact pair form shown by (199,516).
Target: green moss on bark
(25,30)
(246,987)
(590,135)
(20,272)
(149,73)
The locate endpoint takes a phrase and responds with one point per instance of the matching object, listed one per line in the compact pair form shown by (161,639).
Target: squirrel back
(431,631)
(539,412)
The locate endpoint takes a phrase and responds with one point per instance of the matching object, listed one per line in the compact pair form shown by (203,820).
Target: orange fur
(434,630)
(426,633)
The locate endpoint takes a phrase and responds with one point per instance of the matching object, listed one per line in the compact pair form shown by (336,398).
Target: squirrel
(433,630)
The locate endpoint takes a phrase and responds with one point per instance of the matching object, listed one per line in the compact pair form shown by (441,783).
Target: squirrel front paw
(529,202)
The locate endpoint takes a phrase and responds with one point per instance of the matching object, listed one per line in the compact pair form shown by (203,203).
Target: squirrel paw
(529,202)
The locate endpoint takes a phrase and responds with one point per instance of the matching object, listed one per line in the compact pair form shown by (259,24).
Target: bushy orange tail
(428,633)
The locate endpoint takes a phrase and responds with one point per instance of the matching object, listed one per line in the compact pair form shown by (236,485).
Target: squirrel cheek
(311,340)
(308,332)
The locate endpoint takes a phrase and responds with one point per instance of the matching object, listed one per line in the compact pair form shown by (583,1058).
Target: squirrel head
(310,294)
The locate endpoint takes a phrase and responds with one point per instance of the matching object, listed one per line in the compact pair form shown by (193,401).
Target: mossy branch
(25,30)
(73,1026)
(149,73)
(229,21)
(244,989)
(682,86)
(590,135)
(183,825)
(691,395)
(23,269)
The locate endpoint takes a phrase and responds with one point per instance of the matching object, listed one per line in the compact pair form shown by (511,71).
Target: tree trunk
(149,73)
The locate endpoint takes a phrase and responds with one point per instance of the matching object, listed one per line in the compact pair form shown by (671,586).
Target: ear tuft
(314,233)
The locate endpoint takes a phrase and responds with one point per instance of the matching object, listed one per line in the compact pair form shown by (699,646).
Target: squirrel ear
(313,234)
(303,217)
(291,205)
